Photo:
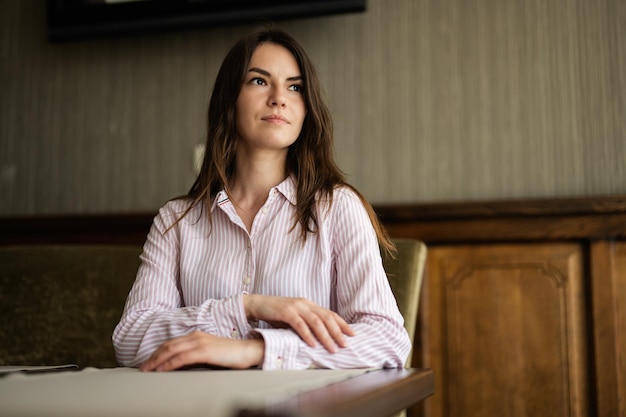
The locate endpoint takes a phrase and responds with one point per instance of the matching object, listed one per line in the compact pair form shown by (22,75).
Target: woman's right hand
(312,322)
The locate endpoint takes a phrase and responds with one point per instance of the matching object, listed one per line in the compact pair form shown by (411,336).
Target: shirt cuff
(230,318)
(282,348)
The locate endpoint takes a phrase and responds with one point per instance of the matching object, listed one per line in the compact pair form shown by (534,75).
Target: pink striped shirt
(193,278)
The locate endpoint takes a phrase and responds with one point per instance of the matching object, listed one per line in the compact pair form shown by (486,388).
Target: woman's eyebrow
(267,74)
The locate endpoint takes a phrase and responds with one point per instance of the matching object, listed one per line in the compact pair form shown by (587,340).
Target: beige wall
(434,100)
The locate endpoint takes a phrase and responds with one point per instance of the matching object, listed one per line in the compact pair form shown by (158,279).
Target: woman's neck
(252,181)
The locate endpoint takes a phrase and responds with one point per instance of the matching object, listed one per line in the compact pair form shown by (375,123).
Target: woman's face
(270,108)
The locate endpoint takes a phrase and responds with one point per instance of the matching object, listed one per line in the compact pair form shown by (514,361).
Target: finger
(320,328)
(191,356)
(335,327)
(302,328)
(346,328)
(335,331)
(166,351)
(343,325)
(161,355)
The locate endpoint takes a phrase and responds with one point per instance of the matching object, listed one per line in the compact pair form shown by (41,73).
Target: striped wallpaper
(434,100)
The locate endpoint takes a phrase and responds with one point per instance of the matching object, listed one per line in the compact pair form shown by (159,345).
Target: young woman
(271,260)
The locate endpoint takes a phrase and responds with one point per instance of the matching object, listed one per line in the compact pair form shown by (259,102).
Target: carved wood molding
(545,269)
(592,218)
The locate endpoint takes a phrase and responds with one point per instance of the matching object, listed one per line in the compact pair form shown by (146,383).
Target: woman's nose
(276,98)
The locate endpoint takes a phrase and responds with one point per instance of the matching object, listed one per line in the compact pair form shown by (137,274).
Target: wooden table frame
(378,393)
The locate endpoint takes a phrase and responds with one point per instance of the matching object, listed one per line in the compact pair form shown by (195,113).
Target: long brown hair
(309,159)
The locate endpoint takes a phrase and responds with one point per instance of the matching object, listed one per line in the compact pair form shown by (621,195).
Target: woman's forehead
(268,55)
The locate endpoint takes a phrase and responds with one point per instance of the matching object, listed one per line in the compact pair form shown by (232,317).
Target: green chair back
(405,273)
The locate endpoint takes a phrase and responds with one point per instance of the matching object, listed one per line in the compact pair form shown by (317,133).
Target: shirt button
(234,334)
(246,280)
(279,362)
(264,211)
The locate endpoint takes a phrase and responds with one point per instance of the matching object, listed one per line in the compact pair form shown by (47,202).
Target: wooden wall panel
(608,284)
(620,334)
(507,330)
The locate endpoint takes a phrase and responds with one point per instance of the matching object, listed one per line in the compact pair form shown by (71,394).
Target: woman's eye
(296,87)
(257,81)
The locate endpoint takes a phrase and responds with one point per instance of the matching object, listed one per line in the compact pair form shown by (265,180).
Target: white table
(214,393)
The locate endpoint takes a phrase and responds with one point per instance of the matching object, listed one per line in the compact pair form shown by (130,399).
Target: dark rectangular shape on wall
(83,19)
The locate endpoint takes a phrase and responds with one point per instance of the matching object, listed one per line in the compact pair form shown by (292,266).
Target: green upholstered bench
(59,304)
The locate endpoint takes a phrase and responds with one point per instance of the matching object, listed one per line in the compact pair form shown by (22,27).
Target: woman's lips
(275,119)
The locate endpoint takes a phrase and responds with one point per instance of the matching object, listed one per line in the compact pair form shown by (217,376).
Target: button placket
(246,278)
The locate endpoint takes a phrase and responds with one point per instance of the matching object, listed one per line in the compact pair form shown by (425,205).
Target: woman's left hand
(199,348)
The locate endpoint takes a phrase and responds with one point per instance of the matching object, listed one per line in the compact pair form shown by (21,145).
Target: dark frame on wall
(83,19)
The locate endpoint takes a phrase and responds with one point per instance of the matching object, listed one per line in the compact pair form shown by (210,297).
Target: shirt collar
(287,188)
(220,198)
